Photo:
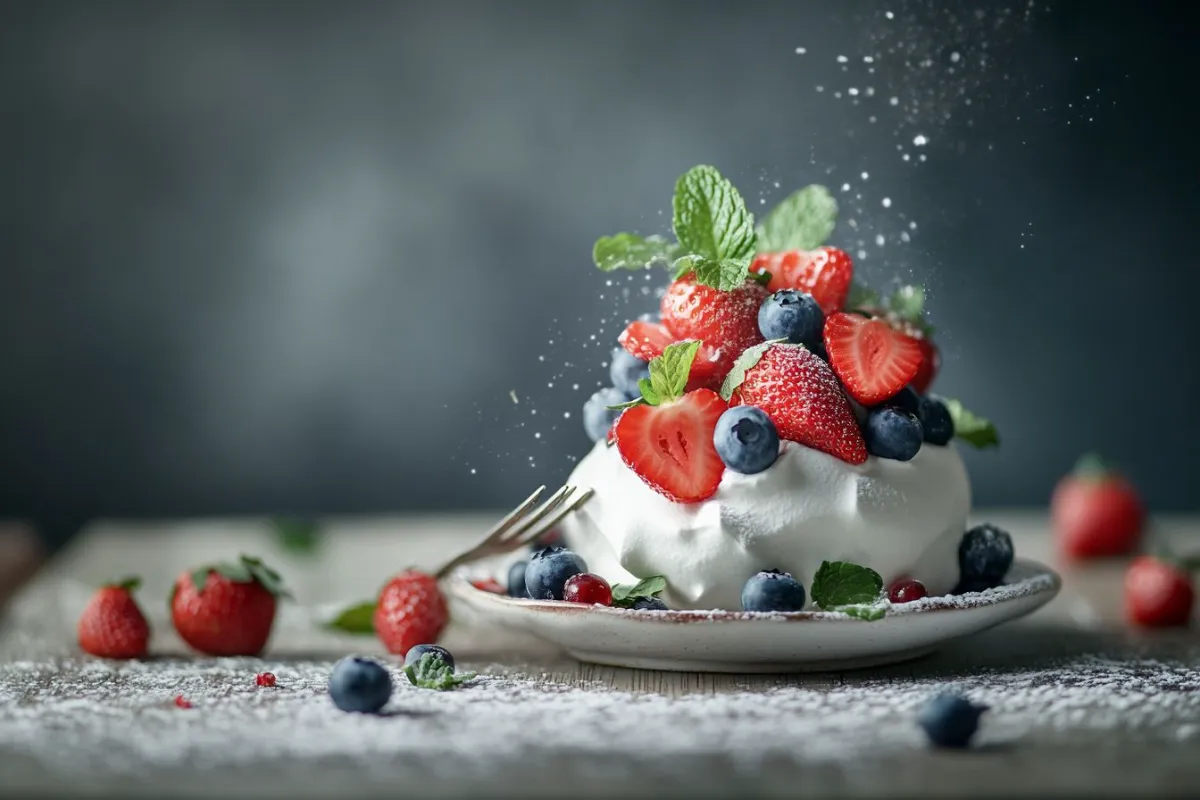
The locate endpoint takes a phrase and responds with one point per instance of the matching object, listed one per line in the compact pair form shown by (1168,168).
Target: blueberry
(360,684)
(893,433)
(936,421)
(985,555)
(746,439)
(626,370)
(792,315)
(649,604)
(597,419)
(906,399)
(549,569)
(950,720)
(516,579)
(416,652)
(772,591)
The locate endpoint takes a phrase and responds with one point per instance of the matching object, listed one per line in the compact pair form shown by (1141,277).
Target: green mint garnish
(972,429)
(668,375)
(714,228)
(296,535)
(745,362)
(863,612)
(359,618)
(629,251)
(624,595)
(908,303)
(840,583)
(861,297)
(431,672)
(803,221)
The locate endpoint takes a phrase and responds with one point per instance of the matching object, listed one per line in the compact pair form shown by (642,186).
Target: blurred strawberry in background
(1095,512)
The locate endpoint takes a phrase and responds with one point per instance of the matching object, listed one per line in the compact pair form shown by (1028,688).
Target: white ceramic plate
(735,641)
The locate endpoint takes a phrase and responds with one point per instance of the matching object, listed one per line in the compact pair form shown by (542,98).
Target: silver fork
(524,524)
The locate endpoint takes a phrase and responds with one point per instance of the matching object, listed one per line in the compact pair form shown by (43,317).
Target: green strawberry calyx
(247,569)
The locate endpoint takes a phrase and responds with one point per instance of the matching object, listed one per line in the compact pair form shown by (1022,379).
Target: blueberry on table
(950,720)
(597,418)
(516,579)
(548,571)
(649,604)
(985,555)
(360,684)
(894,433)
(792,315)
(773,591)
(626,370)
(415,654)
(936,421)
(746,439)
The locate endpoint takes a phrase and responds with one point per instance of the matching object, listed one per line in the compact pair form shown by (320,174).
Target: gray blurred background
(293,257)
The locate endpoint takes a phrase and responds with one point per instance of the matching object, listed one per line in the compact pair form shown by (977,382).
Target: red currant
(488,585)
(906,590)
(182,702)
(264,679)
(588,589)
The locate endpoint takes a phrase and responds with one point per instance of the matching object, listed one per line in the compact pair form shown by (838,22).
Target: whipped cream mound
(902,519)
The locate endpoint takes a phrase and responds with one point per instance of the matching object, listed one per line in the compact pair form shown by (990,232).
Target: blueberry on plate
(360,684)
(626,370)
(746,439)
(936,421)
(772,590)
(893,433)
(597,418)
(950,720)
(792,315)
(516,579)
(649,604)
(985,555)
(548,571)
(417,652)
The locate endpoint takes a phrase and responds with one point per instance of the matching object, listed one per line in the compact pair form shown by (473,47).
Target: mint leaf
(840,583)
(972,429)
(803,221)
(358,618)
(669,373)
(726,274)
(431,672)
(714,229)
(908,302)
(861,297)
(745,362)
(629,251)
(624,595)
(863,612)
(296,535)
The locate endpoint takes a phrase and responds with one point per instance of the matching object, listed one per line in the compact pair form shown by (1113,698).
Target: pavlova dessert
(769,442)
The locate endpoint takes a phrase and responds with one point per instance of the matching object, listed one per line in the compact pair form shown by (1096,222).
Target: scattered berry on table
(670,446)
(649,604)
(985,555)
(893,433)
(936,422)
(227,609)
(516,579)
(112,625)
(626,370)
(872,360)
(1095,512)
(548,571)
(1158,593)
(360,684)
(182,702)
(727,322)
(950,720)
(597,416)
(792,315)
(264,679)
(825,273)
(746,439)
(489,585)
(906,590)
(773,591)
(588,589)
(414,655)
(410,610)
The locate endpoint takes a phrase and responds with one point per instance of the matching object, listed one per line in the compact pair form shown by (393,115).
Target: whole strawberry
(228,608)
(1158,593)
(112,625)
(1095,512)
(725,322)
(410,611)
(825,273)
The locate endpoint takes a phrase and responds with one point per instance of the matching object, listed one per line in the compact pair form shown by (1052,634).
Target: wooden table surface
(1079,702)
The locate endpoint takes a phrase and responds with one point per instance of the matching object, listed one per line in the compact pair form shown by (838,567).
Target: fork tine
(533,529)
(545,508)
(513,517)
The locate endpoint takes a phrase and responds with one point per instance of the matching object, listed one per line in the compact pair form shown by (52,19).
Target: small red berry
(182,702)
(906,590)
(588,589)
(264,679)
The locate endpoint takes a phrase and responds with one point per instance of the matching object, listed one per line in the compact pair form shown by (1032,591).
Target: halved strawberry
(931,362)
(670,446)
(648,340)
(873,360)
(726,322)
(825,273)
(802,396)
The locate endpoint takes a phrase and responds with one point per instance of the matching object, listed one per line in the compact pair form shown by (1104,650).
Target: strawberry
(670,446)
(801,395)
(1095,512)
(410,611)
(725,322)
(648,340)
(112,625)
(872,359)
(227,609)
(1158,593)
(825,273)
(931,362)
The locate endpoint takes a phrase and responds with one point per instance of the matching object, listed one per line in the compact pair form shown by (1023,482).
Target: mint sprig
(861,297)
(841,583)
(668,375)
(908,303)
(630,251)
(971,428)
(625,595)
(358,619)
(745,362)
(867,613)
(432,672)
(803,221)
(714,228)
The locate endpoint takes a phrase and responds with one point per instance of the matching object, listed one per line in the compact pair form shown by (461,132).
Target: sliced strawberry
(802,396)
(825,273)
(726,322)
(873,360)
(648,340)
(670,446)
(931,362)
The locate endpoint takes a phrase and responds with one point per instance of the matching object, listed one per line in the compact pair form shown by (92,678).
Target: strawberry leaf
(432,672)
(358,618)
(840,583)
(200,577)
(129,584)
(974,430)
(745,362)
(803,221)
(715,229)
(624,595)
(629,251)
(296,535)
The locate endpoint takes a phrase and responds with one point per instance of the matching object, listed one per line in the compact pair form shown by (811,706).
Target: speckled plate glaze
(735,641)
